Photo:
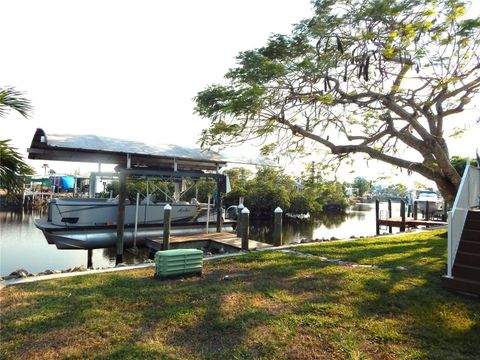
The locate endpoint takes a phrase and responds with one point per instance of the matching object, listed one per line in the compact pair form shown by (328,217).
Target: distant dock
(403,221)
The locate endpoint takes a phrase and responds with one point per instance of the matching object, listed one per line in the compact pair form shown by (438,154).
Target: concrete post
(167,221)
(245,223)
(277,229)
(240,207)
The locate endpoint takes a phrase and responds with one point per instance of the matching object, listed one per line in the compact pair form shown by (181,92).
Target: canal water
(22,245)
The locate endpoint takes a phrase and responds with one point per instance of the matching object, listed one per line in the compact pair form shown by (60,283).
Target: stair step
(466,272)
(461,284)
(471,235)
(469,246)
(472,224)
(467,258)
(473,217)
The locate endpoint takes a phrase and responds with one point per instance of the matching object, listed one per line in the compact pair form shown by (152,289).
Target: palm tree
(12,166)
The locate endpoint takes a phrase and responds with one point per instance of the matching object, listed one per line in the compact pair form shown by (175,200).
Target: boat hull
(107,238)
(99,237)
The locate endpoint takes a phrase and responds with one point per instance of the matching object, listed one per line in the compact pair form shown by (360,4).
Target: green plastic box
(178,262)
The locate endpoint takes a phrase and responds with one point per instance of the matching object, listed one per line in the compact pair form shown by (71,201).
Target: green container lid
(179,252)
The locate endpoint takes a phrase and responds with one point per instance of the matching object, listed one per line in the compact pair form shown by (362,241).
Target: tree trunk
(447,189)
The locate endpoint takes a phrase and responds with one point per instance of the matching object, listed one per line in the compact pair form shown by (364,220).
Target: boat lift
(133,159)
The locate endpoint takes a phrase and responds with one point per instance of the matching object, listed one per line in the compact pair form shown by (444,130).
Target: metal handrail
(467,198)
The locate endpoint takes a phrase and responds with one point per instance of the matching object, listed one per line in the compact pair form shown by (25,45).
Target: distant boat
(76,223)
(431,198)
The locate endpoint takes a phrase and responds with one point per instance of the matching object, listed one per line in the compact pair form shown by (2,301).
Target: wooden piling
(89,259)
(219,207)
(277,229)
(245,231)
(390,214)
(122,180)
(402,214)
(445,211)
(377,216)
(415,211)
(427,211)
(167,223)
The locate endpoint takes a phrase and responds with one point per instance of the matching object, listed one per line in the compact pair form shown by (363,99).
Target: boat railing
(467,197)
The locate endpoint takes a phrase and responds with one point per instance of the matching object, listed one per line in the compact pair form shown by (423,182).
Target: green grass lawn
(277,306)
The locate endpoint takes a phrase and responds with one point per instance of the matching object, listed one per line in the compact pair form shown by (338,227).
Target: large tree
(377,77)
(12,165)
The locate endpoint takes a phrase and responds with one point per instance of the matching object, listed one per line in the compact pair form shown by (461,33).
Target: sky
(130,69)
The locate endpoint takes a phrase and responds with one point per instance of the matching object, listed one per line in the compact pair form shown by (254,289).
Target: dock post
(239,228)
(245,222)
(415,210)
(402,214)
(389,214)
(377,216)
(427,211)
(277,230)
(219,206)
(89,258)
(167,222)
(122,194)
(444,216)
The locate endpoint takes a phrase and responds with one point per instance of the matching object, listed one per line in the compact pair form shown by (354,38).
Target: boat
(78,212)
(429,197)
(86,223)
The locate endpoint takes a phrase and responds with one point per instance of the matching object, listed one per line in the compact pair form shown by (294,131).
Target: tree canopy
(374,77)
(362,184)
(271,187)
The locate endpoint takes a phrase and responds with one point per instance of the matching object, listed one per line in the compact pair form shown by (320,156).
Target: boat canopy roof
(126,153)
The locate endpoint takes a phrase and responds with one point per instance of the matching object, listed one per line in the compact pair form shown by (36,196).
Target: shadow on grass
(415,254)
(280,305)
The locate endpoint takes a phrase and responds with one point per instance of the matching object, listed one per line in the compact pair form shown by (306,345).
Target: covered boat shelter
(132,159)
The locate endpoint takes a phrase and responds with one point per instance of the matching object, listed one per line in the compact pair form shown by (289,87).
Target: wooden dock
(409,222)
(227,240)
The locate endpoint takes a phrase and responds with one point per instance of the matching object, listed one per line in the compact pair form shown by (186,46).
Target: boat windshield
(428,194)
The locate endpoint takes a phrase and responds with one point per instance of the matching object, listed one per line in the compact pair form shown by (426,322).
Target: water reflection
(359,220)
(130,256)
(22,245)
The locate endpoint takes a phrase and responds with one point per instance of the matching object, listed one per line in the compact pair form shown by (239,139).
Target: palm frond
(11,99)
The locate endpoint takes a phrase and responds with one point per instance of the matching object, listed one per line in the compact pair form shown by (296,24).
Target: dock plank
(225,238)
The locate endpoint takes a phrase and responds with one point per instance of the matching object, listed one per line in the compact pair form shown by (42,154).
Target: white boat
(75,223)
(425,197)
